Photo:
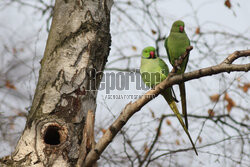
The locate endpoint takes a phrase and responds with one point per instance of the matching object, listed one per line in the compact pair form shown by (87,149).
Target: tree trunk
(77,49)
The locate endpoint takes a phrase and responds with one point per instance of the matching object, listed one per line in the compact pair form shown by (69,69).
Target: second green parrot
(153,71)
(176,44)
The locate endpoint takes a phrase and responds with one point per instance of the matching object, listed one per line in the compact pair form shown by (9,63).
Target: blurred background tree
(218,106)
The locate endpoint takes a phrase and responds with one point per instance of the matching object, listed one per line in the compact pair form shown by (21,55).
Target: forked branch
(131,108)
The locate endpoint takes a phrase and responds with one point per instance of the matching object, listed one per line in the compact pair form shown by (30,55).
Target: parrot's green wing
(171,56)
(164,69)
(175,49)
(166,46)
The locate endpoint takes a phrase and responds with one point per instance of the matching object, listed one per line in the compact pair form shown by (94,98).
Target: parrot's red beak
(152,54)
(181,28)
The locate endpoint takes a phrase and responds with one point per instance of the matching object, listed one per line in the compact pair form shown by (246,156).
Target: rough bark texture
(88,141)
(79,42)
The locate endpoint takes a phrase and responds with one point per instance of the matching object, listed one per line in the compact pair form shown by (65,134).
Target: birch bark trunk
(77,48)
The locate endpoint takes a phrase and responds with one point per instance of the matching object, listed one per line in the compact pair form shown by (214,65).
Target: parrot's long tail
(183,102)
(169,98)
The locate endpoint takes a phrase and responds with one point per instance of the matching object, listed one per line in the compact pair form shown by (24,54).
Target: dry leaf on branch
(230,102)
(215,97)
(197,31)
(168,122)
(228,4)
(245,87)
(134,48)
(103,130)
(177,142)
(146,149)
(210,112)
(153,31)
(199,139)
(9,85)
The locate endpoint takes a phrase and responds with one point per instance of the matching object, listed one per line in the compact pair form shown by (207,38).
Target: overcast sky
(24,27)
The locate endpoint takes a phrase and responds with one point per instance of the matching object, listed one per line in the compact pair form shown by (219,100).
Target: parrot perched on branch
(176,44)
(153,71)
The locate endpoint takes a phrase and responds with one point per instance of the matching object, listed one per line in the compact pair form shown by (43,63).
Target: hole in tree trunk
(52,135)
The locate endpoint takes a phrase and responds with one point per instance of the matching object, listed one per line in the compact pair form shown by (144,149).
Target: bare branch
(132,108)
(236,55)
(155,140)
(179,61)
(187,149)
(88,141)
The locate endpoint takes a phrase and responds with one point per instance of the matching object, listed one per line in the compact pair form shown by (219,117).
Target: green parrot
(154,70)
(176,44)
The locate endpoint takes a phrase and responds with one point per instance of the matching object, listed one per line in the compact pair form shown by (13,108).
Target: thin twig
(154,142)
